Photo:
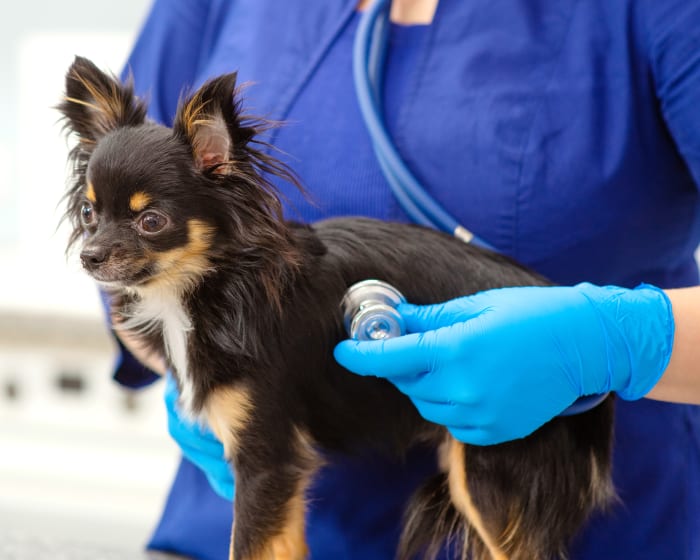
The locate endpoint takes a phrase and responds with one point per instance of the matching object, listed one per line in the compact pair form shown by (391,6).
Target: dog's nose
(93,257)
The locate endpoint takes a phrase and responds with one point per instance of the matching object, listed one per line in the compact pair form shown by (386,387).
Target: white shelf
(100,456)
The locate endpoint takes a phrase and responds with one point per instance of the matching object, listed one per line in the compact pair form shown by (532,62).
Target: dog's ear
(96,103)
(210,120)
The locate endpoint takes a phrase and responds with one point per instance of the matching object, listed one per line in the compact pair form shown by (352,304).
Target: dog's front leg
(269,513)
(273,466)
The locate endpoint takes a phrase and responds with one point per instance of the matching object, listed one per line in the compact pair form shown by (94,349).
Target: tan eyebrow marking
(139,201)
(90,193)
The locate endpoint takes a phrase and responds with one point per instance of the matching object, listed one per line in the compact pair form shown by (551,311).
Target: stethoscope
(370,303)
(368,69)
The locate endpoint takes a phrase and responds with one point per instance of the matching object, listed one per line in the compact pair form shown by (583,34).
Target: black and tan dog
(182,229)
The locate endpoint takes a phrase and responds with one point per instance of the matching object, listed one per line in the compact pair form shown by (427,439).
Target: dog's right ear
(211,121)
(96,103)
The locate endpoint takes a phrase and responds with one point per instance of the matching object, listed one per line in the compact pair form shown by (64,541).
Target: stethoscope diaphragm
(369,311)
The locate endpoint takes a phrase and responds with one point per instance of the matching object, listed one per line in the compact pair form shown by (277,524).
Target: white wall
(90,465)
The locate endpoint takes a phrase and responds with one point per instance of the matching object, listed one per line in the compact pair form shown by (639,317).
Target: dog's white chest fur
(163,309)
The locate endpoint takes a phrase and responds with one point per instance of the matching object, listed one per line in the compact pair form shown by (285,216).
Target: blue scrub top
(566,134)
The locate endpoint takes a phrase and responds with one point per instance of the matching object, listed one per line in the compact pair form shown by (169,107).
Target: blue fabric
(565,133)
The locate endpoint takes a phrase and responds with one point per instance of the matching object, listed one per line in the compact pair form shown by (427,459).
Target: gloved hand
(198,444)
(497,365)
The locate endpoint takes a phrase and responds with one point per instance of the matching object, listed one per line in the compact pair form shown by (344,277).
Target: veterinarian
(568,136)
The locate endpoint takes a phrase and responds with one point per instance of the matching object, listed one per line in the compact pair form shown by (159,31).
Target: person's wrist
(638,329)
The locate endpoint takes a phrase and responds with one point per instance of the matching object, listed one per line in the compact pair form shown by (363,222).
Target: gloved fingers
(477,436)
(170,394)
(421,318)
(185,432)
(198,444)
(395,357)
(195,437)
(454,372)
(210,463)
(221,480)
(220,477)
(430,386)
(445,413)
(208,456)
(224,487)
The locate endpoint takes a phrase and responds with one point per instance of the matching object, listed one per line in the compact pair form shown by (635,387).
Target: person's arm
(672,29)
(681,381)
(496,365)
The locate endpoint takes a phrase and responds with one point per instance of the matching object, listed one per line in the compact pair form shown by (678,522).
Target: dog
(183,229)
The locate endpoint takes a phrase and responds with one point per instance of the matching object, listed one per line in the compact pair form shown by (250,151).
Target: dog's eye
(152,222)
(87,214)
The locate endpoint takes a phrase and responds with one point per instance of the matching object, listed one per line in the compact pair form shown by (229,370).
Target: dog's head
(155,205)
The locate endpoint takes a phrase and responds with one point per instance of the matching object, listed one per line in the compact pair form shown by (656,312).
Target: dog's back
(184,229)
(527,497)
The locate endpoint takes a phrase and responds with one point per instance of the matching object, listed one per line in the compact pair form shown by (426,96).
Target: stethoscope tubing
(369,54)
(368,57)
(369,51)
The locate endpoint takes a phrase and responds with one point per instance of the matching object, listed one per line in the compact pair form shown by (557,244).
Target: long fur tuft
(94,104)
(225,146)
(432,522)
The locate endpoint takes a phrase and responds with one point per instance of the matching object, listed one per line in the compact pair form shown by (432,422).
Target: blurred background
(81,460)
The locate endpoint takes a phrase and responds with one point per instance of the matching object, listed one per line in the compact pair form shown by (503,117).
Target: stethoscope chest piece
(369,311)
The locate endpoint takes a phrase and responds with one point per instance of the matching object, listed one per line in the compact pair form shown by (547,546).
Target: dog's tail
(431,523)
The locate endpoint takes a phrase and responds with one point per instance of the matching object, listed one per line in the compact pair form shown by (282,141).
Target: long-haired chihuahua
(183,229)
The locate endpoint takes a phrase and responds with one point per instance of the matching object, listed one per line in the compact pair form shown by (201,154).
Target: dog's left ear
(96,103)
(211,122)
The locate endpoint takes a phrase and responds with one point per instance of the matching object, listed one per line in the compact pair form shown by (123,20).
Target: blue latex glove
(497,365)
(198,444)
